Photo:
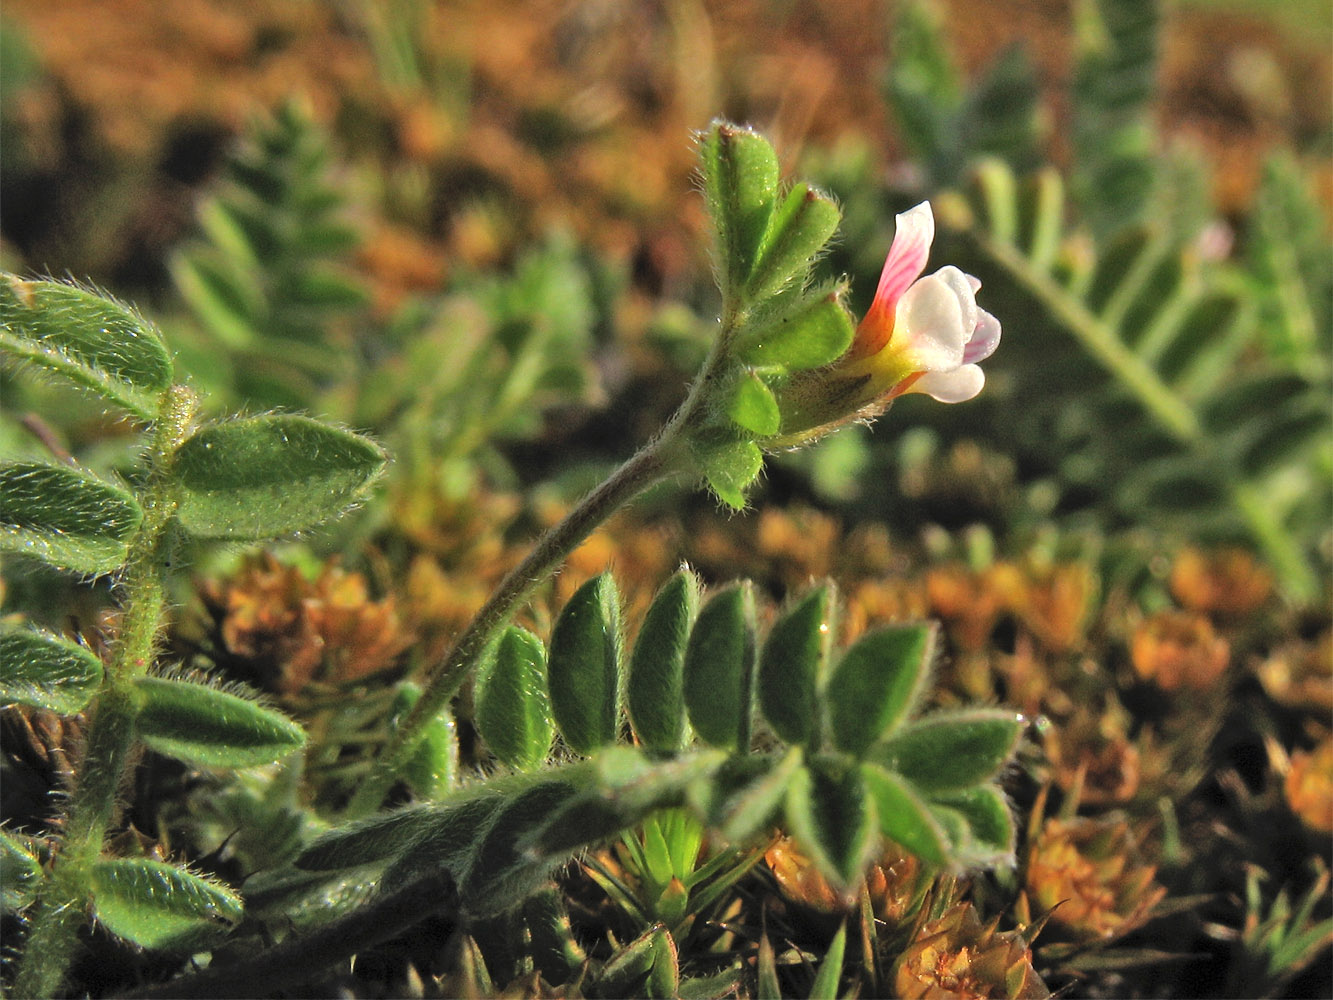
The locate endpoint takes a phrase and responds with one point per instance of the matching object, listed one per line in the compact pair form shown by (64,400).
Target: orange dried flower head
(1179,649)
(969,603)
(1088,872)
(1309,786)
(896,882)
(1228,582)
(281,631)
(1053,602)
(958,956)
(1300,674)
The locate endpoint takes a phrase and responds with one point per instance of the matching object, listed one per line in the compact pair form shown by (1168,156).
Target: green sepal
(65,517)
(374,839)
(800,228)
(43,670)
(583,672)
(905,818)
(156,905)
(261,477)
(653,686)
(210,728)
(21,874)
(513,706)
(877,684)
(434,763)
(808,333)
(833,818)
(989,824)
(94,342)
(792,665)
(952,750)
(729,466)
(740,182)
(752,406)
(720,666)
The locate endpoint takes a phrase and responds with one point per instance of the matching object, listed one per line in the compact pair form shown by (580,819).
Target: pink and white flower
(922,334)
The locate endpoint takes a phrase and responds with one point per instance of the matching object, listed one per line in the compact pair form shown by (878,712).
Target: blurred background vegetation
(471,229)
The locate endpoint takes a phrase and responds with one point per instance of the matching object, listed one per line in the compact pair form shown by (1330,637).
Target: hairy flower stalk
(920,335)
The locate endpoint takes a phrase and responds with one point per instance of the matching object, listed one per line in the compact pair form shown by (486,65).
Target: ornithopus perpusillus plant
(844,763)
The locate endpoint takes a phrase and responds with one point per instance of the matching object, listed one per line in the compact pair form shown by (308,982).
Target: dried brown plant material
(1309,786)
(896,883)
(969,602)
(1179,649)
(282,631)
(1053,602)
(1087,871)
(42,744)
(1300,674)
(957,956)
(1228,582)
(880,602)
(1092,756)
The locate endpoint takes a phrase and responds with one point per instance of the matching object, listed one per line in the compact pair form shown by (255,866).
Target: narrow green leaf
(877,684)
(503,872)
(656,667)
(583,674)
(833,818)
(513,706)
(990,824)
(93,341)
(260,477)
(68,518)
(720,666)
(45,671)
(157,905)
(740,180)
(434,763)
(210,728)
(20,872)
(905,818)
(830,969)
(664,978)
(809,332)
(376,838)
(446,838)
(730,467)
(768,986)
(952,750)
(750,403)
(793,664)
(801,226)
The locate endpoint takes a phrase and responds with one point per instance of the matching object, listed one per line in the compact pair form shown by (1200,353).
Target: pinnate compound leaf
(210,728)
(45,671)
(833,818)
(905,818)
(720,667)
(953,750)
(654,685)
(371,840)
(157,905)
(20,872)
(988,821)
(877,684)
(740,181)
(583,672)
(513,706)
(260,477)
(65,517)
(806,334)
(792,664)
(95,342)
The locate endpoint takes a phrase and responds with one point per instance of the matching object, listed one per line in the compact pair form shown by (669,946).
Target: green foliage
(877,684)
(20,872)
(719,668)
(584,666)
(513,706)
(654,683)
(792,667)
(258,477)
(268,281)
(247,479)
(46,671)
(156,905)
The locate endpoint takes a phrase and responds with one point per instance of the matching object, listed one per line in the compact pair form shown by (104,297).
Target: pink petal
(913,233)
(984,340)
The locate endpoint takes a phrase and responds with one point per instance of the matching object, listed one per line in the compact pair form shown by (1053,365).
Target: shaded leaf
(719,668)
(584,666)
(513,711)
(45,671)
(654,684)
(990,824)
(905,818)
(157,905)
(68,518)
(210,728)
(801,225)
(20,872)
(952,750)
(877,684)
(792,665)
(832,818)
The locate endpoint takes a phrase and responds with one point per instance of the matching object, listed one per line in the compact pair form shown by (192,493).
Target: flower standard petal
(913,234)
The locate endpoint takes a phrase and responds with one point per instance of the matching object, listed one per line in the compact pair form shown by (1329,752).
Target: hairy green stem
(61,908)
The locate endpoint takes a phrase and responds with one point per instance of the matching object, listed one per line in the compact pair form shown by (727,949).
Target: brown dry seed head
(1179,649)
(1228,582)
(1300,674)
(896,882)
(956,956)
(1309,786)
(1088,871)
